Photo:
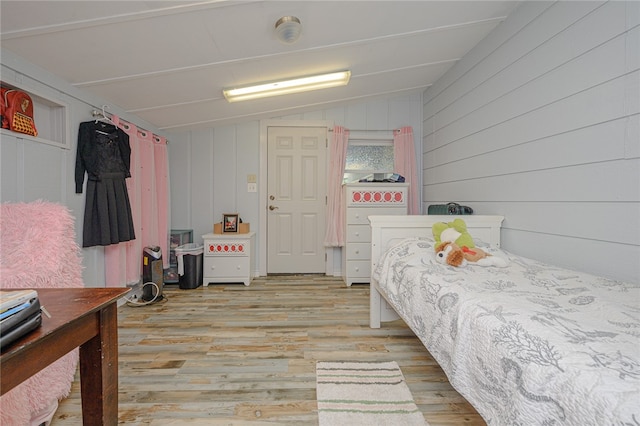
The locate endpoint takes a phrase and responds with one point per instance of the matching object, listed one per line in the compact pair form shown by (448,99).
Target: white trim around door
(262,188)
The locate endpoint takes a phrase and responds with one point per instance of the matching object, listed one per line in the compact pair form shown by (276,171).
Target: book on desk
(20,313)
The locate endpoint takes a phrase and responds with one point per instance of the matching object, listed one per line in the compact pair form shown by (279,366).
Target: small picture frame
(230,222)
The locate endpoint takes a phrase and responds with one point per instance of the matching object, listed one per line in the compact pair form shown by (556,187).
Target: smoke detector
(288,29)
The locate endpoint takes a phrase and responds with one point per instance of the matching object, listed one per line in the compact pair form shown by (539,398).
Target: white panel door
(296,191)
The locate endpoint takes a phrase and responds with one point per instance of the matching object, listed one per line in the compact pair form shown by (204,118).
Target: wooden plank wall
(209,167)
(540,123)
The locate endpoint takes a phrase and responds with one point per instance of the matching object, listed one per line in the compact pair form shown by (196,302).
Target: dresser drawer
(358,269)
(368,195)
(358,234)
(227,266)
(359,251)
(360,215)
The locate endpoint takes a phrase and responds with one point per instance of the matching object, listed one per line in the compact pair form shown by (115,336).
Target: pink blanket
(38,250)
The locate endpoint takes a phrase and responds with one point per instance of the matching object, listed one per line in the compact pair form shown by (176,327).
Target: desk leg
(99,371)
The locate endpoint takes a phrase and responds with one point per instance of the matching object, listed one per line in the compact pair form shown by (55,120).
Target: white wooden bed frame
(386,231)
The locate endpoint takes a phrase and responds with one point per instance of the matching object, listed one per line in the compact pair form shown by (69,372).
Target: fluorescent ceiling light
(296,85)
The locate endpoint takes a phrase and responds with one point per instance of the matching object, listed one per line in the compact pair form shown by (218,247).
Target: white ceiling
(168,61)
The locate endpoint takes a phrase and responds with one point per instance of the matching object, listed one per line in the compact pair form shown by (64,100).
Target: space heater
(152,272)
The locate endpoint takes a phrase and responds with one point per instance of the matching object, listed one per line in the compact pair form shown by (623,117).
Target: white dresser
(363,200)
(228,258)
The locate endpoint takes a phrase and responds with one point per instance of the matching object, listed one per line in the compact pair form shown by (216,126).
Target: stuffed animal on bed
(454,255)
(455,232)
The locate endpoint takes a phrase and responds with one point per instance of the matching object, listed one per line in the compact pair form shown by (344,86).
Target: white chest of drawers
(363,200)
(228,258)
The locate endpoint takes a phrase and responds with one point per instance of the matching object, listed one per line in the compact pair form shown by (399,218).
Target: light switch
(252,187)
(251,179)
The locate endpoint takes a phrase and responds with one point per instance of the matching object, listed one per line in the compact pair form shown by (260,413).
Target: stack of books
(20,313)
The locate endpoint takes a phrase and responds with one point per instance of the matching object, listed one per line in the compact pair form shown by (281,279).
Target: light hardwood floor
(236,355)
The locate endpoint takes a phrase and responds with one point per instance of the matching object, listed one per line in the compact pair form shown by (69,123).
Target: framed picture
(230,222)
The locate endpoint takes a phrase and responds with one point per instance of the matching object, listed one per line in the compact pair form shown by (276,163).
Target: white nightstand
(228,258)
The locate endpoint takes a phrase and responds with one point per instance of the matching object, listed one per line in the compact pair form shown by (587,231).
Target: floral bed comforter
(529,344)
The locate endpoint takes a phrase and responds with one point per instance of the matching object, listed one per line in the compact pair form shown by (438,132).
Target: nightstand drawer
(225,267)
(226,248)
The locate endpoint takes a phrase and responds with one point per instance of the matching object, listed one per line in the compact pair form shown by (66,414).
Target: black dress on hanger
(105,155)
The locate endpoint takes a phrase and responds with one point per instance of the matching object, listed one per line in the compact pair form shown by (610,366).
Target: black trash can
(189,265)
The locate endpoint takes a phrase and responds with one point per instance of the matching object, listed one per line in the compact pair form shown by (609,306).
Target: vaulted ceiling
(168,61)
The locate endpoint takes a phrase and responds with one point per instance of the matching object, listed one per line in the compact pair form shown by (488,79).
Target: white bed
(529,344)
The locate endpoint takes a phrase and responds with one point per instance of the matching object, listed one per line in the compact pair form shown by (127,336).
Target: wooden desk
(85,317)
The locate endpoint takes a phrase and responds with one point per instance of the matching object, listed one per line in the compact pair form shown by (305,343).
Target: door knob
(273,208)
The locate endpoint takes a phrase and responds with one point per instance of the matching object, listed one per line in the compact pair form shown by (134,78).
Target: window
(368,158)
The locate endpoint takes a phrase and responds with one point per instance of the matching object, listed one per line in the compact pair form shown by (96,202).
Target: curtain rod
(369,130)
(102,113)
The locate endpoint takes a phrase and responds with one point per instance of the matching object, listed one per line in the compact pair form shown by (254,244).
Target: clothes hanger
(102,115)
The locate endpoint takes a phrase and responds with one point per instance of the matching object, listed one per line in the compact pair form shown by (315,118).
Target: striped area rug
(364,393)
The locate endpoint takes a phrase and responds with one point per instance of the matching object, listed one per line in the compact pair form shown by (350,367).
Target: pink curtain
(148,189)
(404,155)
(334,236)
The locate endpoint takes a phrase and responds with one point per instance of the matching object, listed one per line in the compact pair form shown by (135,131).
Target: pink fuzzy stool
(38,250)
